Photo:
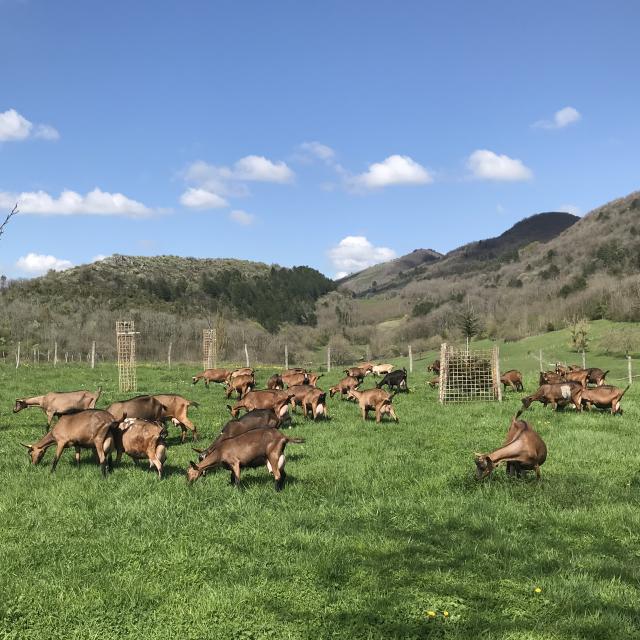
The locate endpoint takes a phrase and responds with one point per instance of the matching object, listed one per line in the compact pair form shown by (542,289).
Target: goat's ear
(230,408)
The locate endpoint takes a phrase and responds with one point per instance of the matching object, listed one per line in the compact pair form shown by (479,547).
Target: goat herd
(137,426)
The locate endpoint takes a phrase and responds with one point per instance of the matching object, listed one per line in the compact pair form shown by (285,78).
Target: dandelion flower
(445,614)
(431,614)
(537,590)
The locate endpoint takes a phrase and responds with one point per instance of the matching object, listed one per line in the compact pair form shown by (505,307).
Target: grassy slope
(378,525)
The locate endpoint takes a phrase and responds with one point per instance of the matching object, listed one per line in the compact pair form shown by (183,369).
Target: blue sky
(332,134)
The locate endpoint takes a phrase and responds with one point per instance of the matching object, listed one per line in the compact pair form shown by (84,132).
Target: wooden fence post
(410,360)
(18,356)
(93,354)
(55,354)
(246,353)
(328,359)
(169,355)
(286,356)
(540,360)
(629,369)
(584,360)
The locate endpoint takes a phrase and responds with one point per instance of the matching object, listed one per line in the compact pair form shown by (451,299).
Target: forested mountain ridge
(270,295)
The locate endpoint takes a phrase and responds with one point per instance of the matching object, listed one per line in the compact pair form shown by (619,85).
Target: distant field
(378,525)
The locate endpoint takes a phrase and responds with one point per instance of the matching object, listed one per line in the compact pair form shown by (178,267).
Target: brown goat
(251,449)
(275,382)
(435,367)
(357,372)
(240,385)
(294,379)
(434,382)
(344,386)
(176,408)
(315,402)
(596,376)
(604,397)
(212,375)
(143,407)
(298,393)
(524,450)
(60,403)
(376,400)
(557,395)
(243,371)
(256,419)
(89,429)
(263,399)
(141,439)
(580,376)
(289,372)
(513,378)
(550,377)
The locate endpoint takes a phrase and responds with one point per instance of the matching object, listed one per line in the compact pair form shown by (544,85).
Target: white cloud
(355,253)
(46,132)
(36,264)
(561,119)
(394,170)
(242,217)
(261,169)
(318,150)
(70,203)
(202,199)
(570,208)
(14,126)
(99,258)
(487,165)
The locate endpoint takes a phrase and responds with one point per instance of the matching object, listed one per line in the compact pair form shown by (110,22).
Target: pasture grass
(378,525)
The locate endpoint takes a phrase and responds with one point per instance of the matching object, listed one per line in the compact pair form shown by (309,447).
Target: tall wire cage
(209,348)
(126,343)
(468,375)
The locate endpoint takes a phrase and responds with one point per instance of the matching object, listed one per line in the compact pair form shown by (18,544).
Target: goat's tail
(295,440)
(193,403)
(625,391)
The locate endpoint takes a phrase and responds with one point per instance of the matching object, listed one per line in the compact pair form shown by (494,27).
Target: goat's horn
(27,446)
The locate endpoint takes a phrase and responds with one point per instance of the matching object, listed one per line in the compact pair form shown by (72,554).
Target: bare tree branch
(10,215)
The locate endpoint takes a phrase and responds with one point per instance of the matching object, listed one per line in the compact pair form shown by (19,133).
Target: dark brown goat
(344,386)
(212,375)
(604,397)
(524,450)
(176,408)
(275,382)
(513,378)
(141,439)
(557,395)
(143,407)
(251,449)
(89,429)
(60,403)
(376,400)
(263,399)
(256,419)
(435,367)
(596,376)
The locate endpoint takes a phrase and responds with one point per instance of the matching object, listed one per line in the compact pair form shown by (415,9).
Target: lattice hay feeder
(467,375)
(126,343)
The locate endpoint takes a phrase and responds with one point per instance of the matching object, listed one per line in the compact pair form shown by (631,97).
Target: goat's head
(19,406)
(35,453)
(484,465)
(193,473)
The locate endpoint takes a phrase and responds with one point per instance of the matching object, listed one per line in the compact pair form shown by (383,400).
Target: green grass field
(378,525)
